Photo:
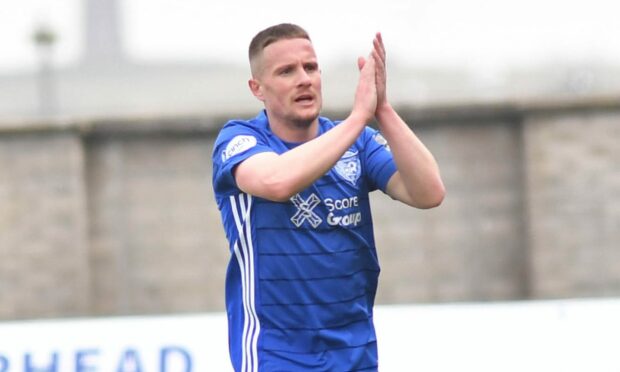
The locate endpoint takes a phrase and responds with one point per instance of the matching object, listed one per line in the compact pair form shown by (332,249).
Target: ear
(255,88)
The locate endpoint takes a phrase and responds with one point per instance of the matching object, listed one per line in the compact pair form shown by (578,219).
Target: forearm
(278,177)
(418,182)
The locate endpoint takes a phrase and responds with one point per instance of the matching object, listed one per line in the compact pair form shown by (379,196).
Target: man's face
(288,80)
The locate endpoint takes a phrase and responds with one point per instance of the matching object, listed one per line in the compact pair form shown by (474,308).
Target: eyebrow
(284,67)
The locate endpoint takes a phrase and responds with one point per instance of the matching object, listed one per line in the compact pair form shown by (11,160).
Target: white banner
(568,335)
(181,343)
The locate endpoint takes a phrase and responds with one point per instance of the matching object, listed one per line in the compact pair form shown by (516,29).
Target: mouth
(305,98)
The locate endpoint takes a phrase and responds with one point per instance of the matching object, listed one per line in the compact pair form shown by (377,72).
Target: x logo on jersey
(304,210)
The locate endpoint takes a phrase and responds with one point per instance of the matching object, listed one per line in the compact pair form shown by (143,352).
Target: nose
(304,78)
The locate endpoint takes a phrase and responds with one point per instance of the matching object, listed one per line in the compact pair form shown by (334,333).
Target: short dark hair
(273,34)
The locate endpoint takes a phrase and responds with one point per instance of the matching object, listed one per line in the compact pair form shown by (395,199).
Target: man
(292,188)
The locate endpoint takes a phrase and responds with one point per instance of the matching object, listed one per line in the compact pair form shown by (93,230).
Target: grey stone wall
(573,187)
(156,238)
(117,216)
(44,249)
(471,247)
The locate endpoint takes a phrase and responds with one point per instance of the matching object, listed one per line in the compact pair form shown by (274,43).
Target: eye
(311,67)
(286,71)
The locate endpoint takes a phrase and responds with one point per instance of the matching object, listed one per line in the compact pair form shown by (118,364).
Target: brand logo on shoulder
(238,145)
(349,167)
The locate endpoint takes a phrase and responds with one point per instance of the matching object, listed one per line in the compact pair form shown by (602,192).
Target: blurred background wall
(106,205)
(118,216)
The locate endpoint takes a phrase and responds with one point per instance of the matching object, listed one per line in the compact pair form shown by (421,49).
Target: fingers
(378,53)
(365,102)
(377,57)
(368,70)
(369,63)
(360,63)
(379,49)
(379,46)
(368,73)
(379,62)
(372,81)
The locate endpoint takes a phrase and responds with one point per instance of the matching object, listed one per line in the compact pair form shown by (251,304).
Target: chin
(306,117)
(305,120)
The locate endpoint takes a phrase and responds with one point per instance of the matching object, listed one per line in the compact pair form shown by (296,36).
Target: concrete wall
(117,216)
(472,247)
(573,188)
(44,247)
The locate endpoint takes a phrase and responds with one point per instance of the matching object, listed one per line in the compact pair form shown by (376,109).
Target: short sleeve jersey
(302,277)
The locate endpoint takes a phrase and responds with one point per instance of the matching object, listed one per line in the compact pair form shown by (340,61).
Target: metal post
(44,39)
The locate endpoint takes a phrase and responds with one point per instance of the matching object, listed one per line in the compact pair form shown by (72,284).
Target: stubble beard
(305,121)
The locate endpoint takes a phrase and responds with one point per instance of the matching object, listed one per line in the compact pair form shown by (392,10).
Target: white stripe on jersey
(245,259)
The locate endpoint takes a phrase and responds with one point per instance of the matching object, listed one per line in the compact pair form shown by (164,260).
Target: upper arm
(233,147)
(254,176)
(396,190)
(379,162)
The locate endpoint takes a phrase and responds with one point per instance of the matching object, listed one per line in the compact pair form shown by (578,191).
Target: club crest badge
(381,140)
(349,167)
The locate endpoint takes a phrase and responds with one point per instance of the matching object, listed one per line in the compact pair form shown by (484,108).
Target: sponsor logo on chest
(341,212)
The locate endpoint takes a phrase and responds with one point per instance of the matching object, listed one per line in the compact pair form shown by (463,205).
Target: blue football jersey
(302,277)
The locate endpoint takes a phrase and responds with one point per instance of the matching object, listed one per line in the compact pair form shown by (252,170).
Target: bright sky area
(478,35)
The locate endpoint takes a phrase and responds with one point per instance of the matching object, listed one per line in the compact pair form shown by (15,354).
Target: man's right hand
(365,102)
